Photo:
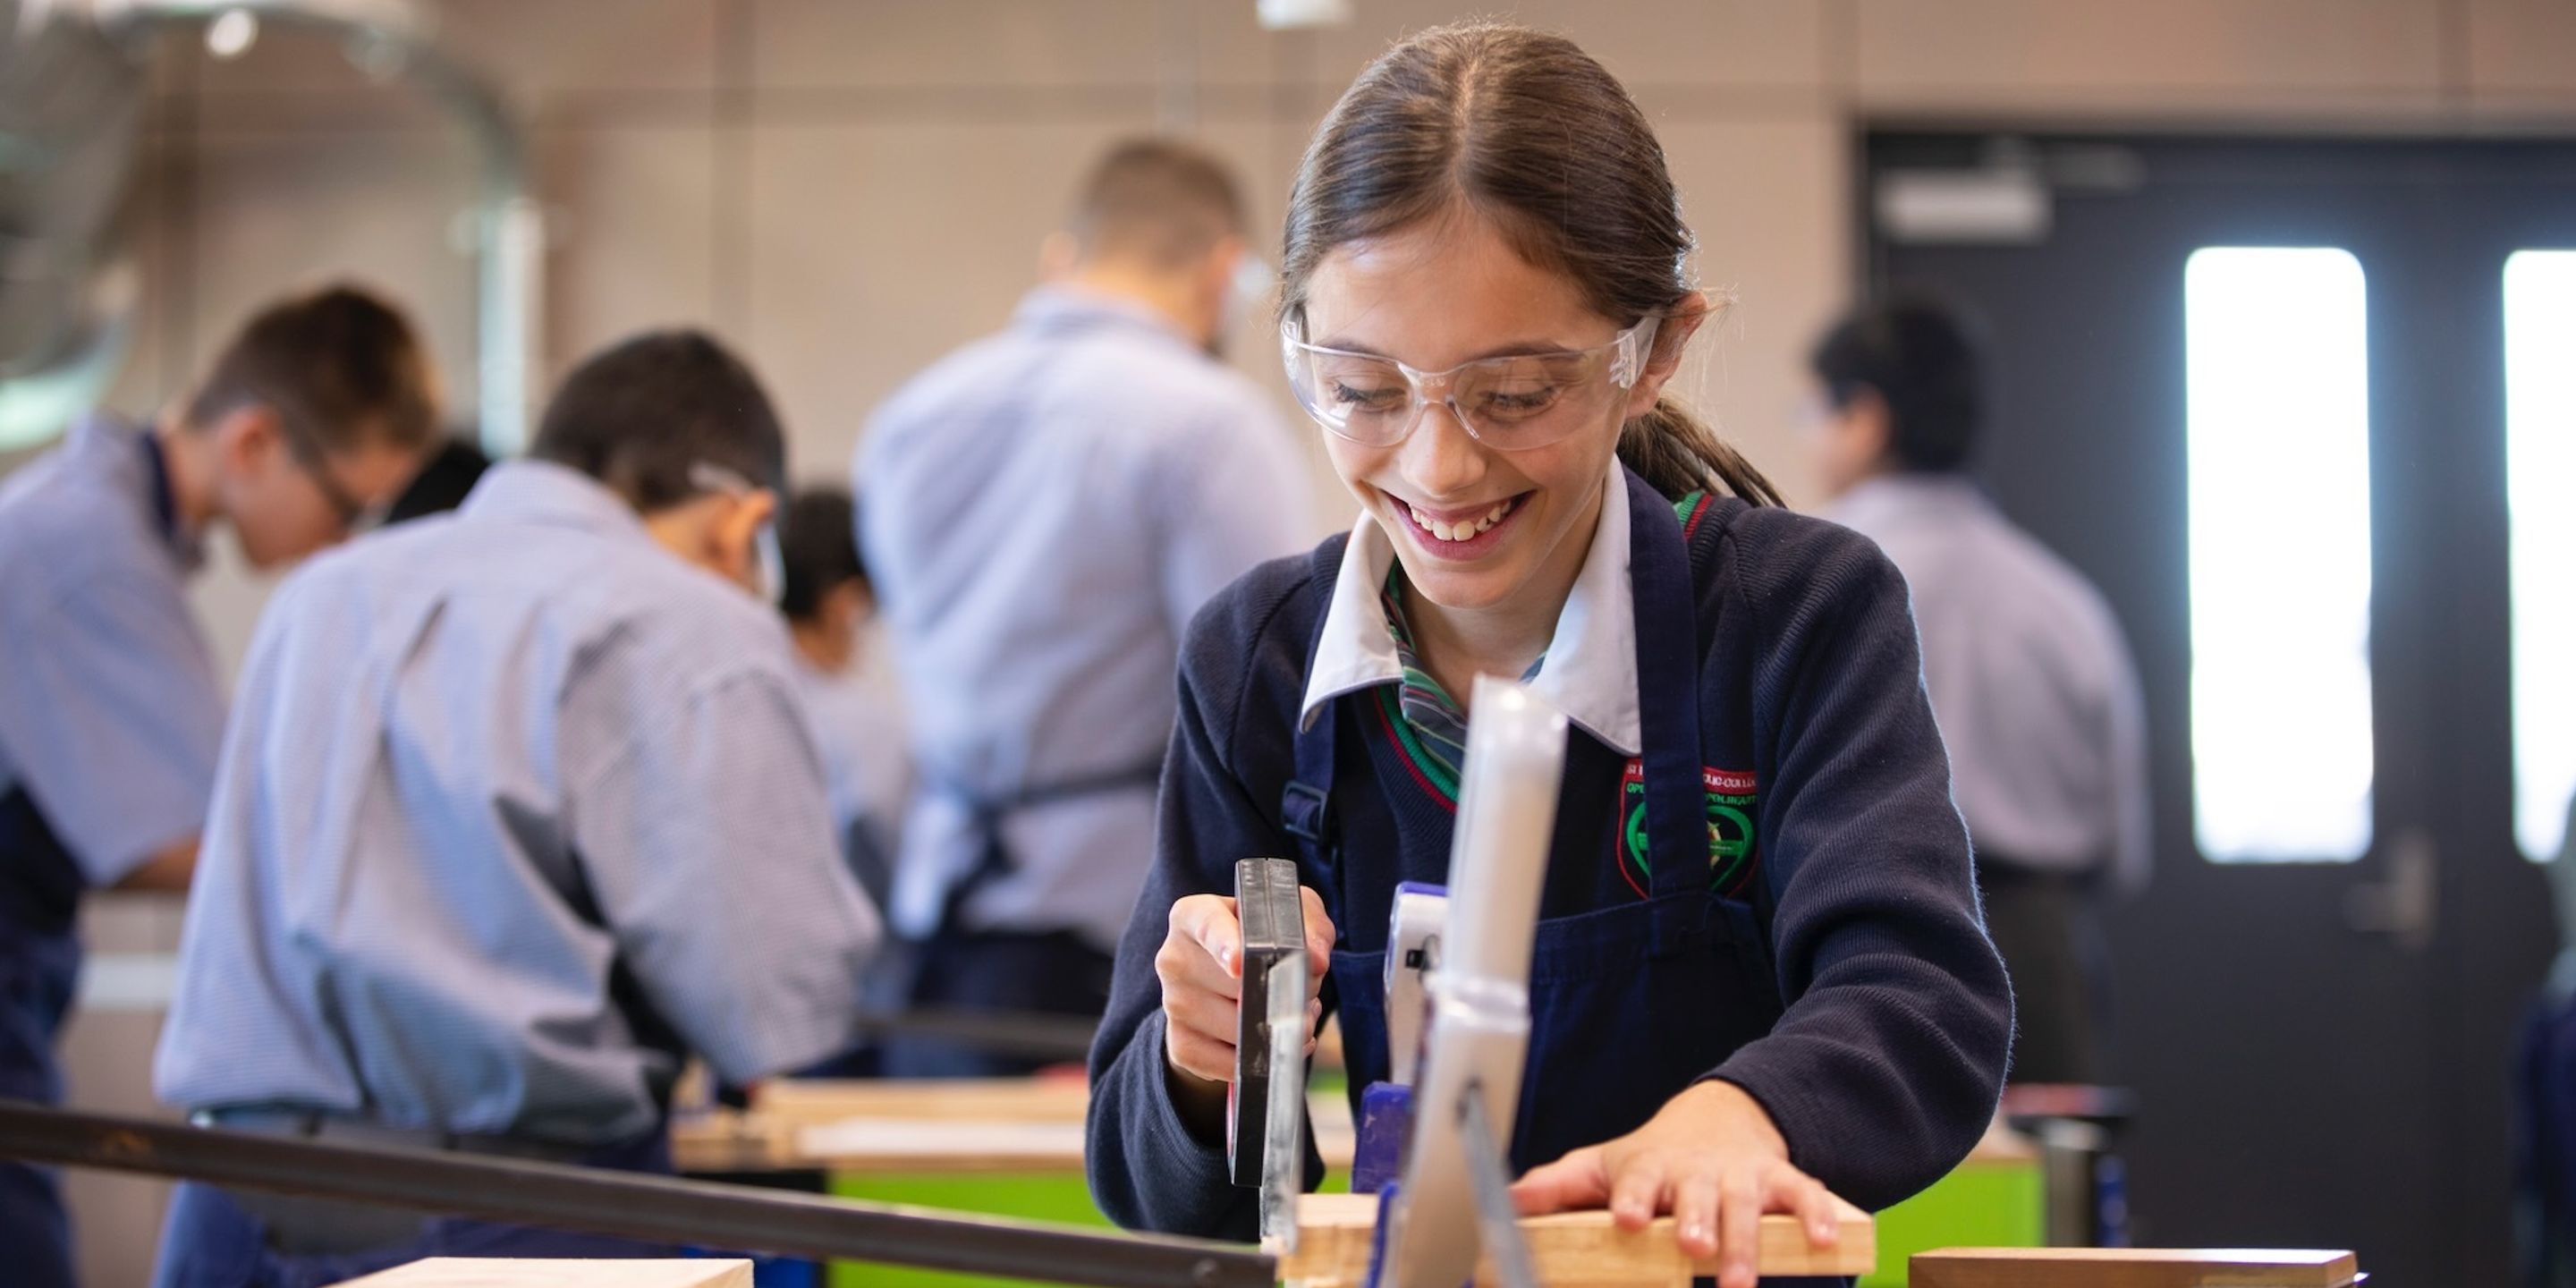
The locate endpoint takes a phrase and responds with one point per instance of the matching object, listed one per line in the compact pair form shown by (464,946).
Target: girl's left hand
(1712,1158)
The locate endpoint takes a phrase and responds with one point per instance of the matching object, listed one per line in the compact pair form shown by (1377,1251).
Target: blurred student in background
(2029,676)
(517,810)
(1046,509)
(830,604)
(313,415)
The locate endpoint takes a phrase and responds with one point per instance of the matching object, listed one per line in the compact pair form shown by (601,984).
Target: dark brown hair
(1160,201)
(818,544)
(644,414)
(340,364)
(1918,355)
(1526,130)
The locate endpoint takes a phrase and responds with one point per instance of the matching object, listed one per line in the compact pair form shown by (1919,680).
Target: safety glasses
(769,562)
(354,513)
(1508,403)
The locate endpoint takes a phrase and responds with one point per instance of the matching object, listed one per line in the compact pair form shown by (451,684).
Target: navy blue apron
(40,959)
(1630,1004)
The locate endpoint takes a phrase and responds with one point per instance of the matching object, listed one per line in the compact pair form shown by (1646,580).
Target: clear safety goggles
(1508,403)
(769,563)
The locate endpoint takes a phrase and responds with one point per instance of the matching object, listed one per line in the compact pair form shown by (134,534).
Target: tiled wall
(847,188)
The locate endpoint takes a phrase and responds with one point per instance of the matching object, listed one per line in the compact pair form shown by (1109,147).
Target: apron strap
(1306,804)
(993,856)
(1668,686)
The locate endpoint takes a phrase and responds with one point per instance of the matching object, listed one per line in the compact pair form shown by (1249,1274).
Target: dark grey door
(2321,1049)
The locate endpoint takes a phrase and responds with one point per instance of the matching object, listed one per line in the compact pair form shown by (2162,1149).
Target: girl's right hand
(1201,967)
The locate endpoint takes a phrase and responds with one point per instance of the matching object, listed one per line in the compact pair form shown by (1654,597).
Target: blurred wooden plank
(1573,1249)
(2132,1268)
(999,1100)
(496,1272)
(1016,1125)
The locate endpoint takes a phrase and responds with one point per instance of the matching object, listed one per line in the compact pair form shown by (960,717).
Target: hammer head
(1273,914)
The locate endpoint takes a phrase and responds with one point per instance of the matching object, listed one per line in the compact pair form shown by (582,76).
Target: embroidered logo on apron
(1732,805)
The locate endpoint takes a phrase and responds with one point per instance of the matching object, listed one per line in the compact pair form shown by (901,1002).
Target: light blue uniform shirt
(110,712)
(858,726)
(2030,680)
(482,766)
(1044,510)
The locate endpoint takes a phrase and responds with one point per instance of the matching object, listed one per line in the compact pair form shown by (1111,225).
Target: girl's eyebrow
(1513,349)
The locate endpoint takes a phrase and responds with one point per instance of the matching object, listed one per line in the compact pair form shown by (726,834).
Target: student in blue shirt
(517,810)
(1759,970)
(2038,700)
(1046,509)
(312,414)
(828,599)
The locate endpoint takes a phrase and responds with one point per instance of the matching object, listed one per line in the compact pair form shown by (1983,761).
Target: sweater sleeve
(1888,1063)
(1148,1169)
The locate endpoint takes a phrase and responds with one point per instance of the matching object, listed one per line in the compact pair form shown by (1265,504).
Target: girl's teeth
(1463,530)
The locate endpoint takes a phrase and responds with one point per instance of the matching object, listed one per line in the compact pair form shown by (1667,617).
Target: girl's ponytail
(1678,454)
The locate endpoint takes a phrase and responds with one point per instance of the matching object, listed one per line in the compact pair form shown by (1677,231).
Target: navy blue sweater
(1886,1064)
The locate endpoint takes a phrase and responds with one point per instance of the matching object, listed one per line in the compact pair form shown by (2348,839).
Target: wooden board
(999,1100)
(1019,1125)
(771,1135)
(1574,1249)
(491,1272)
(2132,1268)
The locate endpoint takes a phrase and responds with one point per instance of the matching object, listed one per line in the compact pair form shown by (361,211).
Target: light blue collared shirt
(110,711)
(2030,679)
(1043,511)
(505,791)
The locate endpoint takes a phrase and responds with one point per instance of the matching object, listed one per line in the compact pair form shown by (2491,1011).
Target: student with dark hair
(1906,372)
(517,810)
(1758,972)
(1046,508)
(311,417)
(828,601)
(2038,700)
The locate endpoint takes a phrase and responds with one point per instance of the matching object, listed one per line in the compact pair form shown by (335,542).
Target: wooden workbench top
(1574,1249)
(891,1126)
(2132,1268)
(1002,1125)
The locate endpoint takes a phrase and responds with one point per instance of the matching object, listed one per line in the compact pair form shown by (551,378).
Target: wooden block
(493,1272)
(1017,1125)
(1013,1100)
(2131,1268)
(1573,1249)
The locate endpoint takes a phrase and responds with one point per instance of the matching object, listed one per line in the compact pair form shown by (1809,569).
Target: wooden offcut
(1575,1249)
(499,1272)
(1014,1125)
(2132,1268)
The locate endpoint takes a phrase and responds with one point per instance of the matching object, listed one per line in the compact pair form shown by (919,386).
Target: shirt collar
(544,492)
(129,452)
(1591,671)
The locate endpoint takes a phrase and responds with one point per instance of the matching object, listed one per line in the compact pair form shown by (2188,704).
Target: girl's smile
(1459,534)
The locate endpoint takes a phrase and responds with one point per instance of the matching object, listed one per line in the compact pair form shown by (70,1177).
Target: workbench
(1014,1148)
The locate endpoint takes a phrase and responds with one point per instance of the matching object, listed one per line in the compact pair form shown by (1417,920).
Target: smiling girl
(1759,973)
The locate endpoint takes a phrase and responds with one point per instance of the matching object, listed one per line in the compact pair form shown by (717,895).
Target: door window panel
(2540,476)
(2279,479)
